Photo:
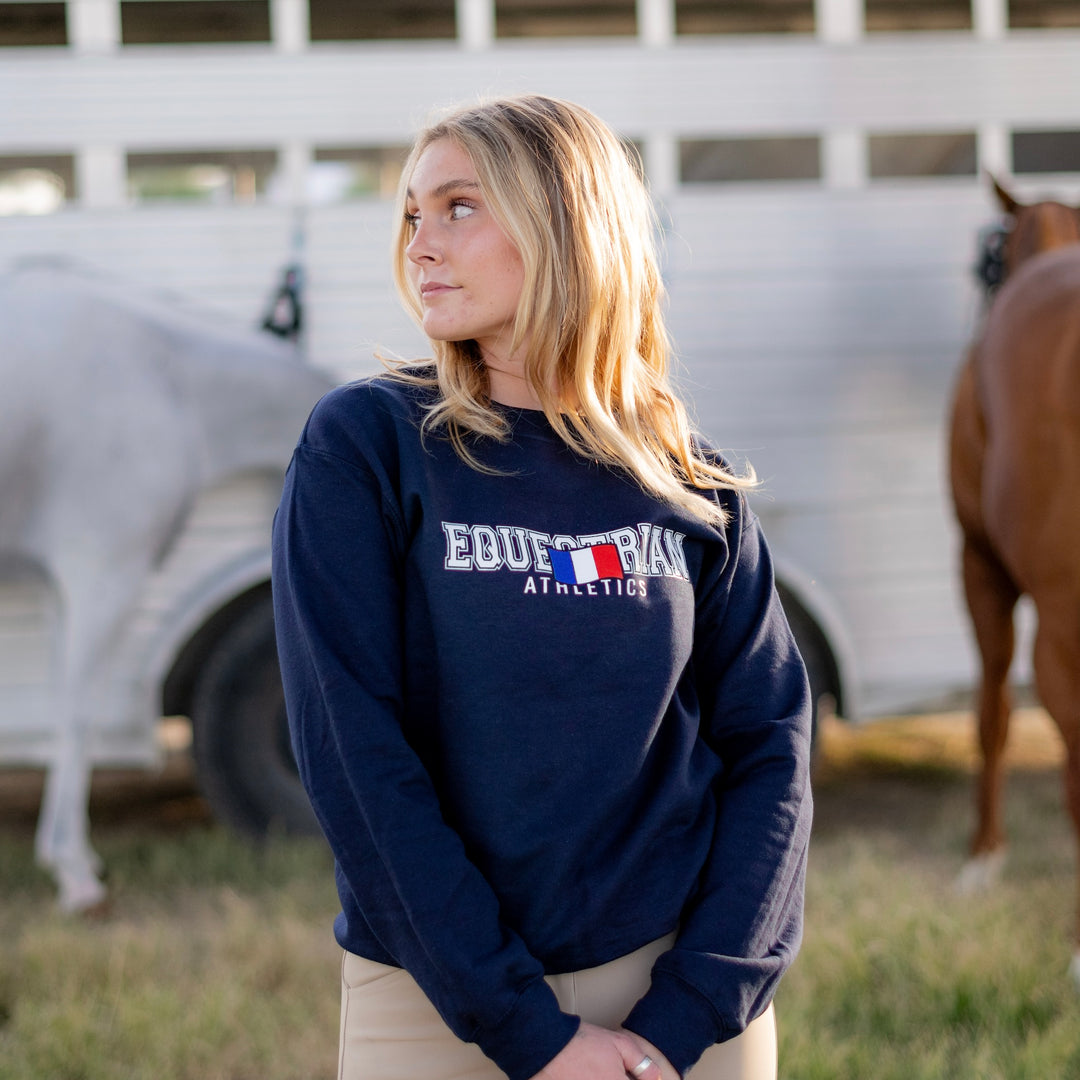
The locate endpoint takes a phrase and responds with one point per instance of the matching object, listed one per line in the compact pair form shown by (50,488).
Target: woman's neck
(507,383)
(516,393)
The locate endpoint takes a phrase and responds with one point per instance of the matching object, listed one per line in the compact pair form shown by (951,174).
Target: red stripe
(607,561)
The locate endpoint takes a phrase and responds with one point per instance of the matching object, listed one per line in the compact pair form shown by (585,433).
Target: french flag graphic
(579,566)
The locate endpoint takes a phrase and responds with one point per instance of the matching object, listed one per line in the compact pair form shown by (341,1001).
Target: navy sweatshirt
(543,719)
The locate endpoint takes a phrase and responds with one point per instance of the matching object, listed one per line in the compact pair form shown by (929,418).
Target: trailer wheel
(240,734)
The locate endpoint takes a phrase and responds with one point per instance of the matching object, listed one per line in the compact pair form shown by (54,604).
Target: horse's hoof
(79,893)
(981,872)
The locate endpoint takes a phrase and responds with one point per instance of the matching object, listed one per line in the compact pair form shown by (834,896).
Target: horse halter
(989,267)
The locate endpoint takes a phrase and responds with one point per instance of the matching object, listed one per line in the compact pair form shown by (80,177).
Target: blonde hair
(564,190)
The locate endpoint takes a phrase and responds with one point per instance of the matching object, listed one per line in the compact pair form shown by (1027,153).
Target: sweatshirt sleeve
(338,551)
(743,927)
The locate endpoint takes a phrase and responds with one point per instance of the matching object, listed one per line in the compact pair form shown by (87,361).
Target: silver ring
(640,1068)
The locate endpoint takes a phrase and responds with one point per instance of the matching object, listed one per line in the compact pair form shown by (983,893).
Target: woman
(542,693)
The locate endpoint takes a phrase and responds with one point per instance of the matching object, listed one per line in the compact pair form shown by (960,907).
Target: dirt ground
(947,740)
(162,798)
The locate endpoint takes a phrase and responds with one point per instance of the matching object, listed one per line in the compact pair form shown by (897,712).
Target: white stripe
(584,565)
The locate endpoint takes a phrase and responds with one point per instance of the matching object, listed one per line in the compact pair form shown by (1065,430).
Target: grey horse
(116,410)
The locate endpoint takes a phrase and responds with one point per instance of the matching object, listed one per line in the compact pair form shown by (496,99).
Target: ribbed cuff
(530,1035)
(676,1019)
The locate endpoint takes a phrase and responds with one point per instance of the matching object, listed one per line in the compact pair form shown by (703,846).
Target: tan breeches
(391,1031)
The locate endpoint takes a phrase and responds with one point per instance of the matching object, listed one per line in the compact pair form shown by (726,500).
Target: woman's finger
(644,1069)
(642,1056)
(639,1060)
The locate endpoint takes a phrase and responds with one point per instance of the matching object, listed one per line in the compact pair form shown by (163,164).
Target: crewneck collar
(521,418)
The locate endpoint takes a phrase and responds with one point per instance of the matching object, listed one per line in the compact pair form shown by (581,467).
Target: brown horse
(1015,473)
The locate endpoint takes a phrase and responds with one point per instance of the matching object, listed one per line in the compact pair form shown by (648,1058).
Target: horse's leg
(62,843)
(1057,677)
(991,598)
(93,613)
(1072,795)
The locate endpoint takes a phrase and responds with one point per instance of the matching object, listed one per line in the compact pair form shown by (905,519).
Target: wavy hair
(568,196)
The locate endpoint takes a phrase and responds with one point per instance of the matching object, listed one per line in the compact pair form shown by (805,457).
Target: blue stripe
(562,566)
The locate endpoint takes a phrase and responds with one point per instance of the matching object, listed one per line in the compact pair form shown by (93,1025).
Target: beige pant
(390,1031)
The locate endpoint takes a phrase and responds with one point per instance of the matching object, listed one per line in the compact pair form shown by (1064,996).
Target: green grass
(901,978)
(215,960)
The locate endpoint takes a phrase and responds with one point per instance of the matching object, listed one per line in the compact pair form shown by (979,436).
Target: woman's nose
(422,247)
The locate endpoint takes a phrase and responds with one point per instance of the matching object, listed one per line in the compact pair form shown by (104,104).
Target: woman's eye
(460,210)
(411,220)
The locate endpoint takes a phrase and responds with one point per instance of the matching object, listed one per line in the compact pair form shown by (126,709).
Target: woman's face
(468,274)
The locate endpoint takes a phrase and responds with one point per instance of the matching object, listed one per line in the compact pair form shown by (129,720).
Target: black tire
(243,758)
(816,654)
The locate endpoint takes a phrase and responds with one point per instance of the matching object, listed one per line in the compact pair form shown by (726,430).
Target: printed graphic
(579,566)
(616,563)
(643,550)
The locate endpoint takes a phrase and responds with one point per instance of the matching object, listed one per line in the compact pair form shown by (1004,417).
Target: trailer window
(708,161)
(33,24)
(744,16)
(1046,151)
(380,20)
(171,22)
(36,184)
(930,154)
(349,172)
(889,16)
(211,176)
(1047,14)
(565,18)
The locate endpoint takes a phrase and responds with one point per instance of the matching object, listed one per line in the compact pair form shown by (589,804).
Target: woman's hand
(597,1053)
